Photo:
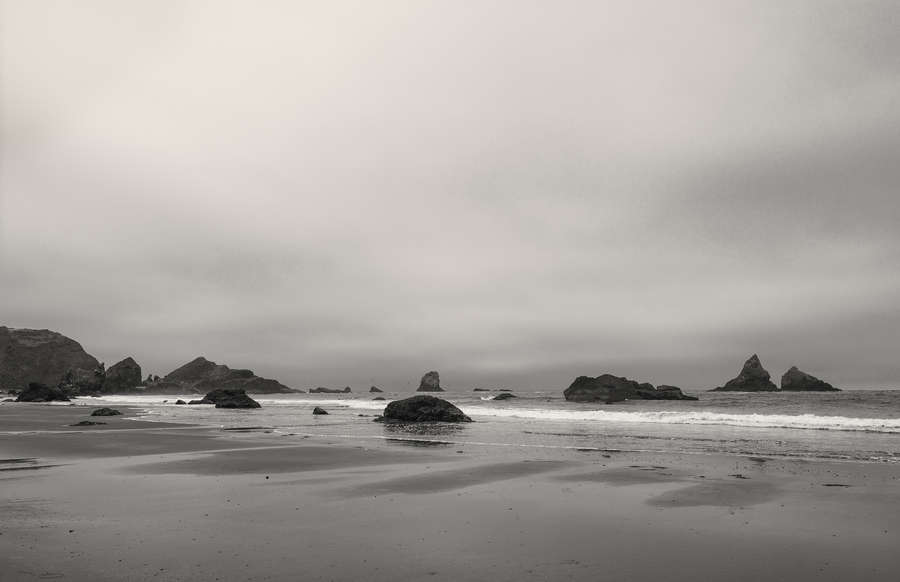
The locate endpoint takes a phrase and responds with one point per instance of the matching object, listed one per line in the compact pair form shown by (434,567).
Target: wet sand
(152,501)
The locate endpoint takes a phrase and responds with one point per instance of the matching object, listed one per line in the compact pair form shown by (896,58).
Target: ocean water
(857,425)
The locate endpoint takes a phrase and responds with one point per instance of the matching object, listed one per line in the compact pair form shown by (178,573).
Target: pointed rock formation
(40,355)
(431,382)
(753,378)
(375,389)
(797,381)
(201,374)
(123,376)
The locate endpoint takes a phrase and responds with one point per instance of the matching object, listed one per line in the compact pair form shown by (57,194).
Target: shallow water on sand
(862,425)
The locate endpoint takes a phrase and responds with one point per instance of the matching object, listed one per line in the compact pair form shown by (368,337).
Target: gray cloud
(334,193)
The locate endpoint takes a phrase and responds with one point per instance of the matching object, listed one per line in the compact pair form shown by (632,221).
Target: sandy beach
(154,501)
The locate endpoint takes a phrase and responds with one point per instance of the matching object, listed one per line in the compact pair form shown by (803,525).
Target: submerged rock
(424,408)
(431,382)
(37,392)
(180,401)
(753,378)
(379,398)
(122,376)
(321,390)
(481,390)
(201,401)
(106,412)
(87,423)
(504,396)
(318,410)
(795,380)
(229,398)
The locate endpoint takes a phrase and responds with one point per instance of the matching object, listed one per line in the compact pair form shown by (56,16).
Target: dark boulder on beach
(41,356)
(504,396)
(106,412)
(317,410)
(122,376)
(229,398)
(37,392)
(321,390)
(753,378)
(201,374)
(375,389)
(431,382)
(606,388)
(796,381)
(180,401)
(424,408)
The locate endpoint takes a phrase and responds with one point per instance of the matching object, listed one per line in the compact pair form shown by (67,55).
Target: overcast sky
(512,193)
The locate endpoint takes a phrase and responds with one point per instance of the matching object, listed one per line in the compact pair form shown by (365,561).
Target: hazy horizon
(514,195)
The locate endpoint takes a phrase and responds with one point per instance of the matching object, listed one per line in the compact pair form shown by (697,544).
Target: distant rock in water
(37,392)
(106,412)
(481,390)
(201,374)
(229,398)
(664,392)
(40,355)
(504,396)
(608,388)
(201,401)
(796,381)
(375,389)
(317,410)
(180,401)
(424,408)
(321,390)
(431,382)
(753,378)
(123,376)
(379,398)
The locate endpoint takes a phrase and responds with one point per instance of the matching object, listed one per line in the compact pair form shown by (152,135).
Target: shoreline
(202,502)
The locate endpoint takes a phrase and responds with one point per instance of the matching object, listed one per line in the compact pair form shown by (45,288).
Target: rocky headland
(201,374)
(45,357)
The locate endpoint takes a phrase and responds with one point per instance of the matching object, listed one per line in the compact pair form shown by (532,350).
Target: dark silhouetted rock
(106,412)
(505,390)
(321,390)
(180,401)
(796,381)
(201,374)
(431,382)
(41,356)
(37,392)
(80,382)
(606,388)
(375,389)
(378,398)
(664,392)
(481,390)
(230,398)
(753,378)
(123,376)
(504,396)
(87,423)
(201,401)
(424,408)
(318,410)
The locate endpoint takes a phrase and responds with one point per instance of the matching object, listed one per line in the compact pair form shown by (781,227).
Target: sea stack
(796,381)
(605,388)
(753,378)
(431,382)
(123,376)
